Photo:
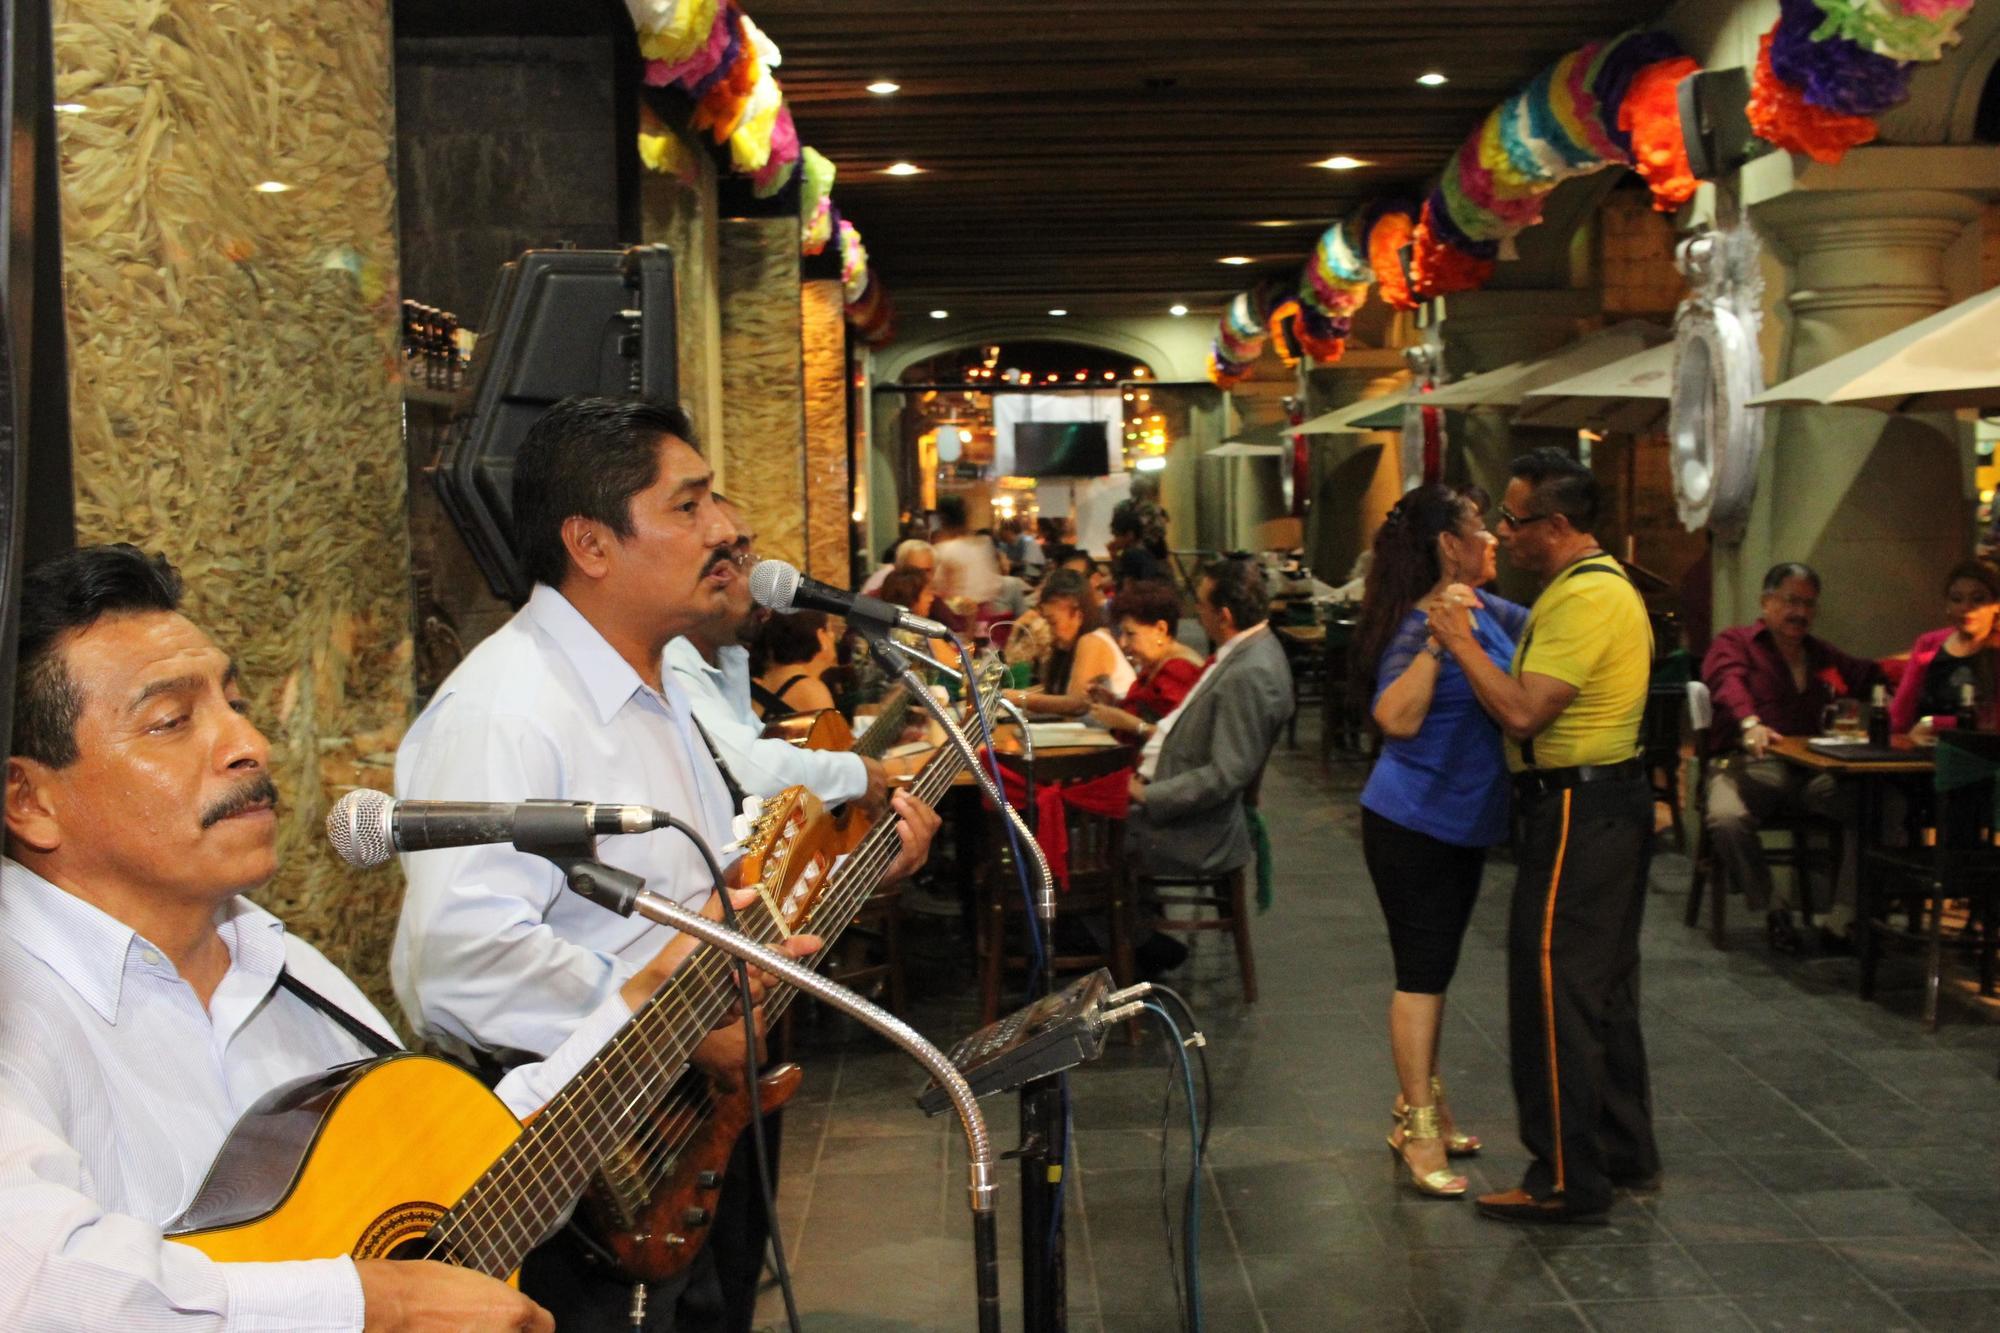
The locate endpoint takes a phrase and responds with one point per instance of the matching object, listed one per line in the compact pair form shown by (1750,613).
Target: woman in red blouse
(1146,614)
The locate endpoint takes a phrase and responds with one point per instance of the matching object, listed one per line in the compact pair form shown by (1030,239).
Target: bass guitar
(653,1204)
(409,1157)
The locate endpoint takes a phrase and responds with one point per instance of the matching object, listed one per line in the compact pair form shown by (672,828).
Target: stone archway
(1167,362)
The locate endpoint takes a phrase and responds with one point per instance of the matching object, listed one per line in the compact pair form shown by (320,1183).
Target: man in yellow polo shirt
(1571,709)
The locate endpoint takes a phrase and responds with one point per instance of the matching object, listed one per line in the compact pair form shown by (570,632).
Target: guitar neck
(536,1182)
(886,727)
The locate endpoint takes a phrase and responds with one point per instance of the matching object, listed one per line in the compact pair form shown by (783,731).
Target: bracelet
(1434,650)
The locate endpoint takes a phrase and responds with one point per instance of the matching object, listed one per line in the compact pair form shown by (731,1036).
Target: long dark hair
(1404,568)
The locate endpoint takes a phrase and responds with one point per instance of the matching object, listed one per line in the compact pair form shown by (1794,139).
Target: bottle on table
(1967,716)
(1878,716)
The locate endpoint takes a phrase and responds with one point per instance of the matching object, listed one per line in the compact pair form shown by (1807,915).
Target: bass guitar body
(653,1238)
(362,1160)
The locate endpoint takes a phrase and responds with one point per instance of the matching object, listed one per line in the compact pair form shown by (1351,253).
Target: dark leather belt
(1542,781)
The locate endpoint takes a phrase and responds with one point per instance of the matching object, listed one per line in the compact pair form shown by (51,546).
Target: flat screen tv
(1062,449)
(561,322)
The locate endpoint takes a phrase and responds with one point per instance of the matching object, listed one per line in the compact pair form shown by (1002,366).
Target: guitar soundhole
(404,1232)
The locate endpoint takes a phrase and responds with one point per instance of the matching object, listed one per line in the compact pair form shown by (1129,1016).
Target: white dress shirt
(116,1091)
(493,952)
(1149,754)
(720,697)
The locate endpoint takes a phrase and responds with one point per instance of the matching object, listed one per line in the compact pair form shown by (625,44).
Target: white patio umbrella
(1630,394)
(1948,361)
(1510,385)
(1383,412)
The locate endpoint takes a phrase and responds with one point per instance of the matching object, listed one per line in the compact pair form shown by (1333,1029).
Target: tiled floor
(1829,1164)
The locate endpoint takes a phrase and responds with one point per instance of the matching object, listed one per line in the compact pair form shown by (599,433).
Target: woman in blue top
(1437,798)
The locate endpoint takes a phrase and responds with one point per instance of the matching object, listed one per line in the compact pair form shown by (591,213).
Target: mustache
(258,791)
(727,555)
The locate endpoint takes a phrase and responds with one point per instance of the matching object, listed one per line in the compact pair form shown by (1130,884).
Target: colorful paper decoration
(1827,68)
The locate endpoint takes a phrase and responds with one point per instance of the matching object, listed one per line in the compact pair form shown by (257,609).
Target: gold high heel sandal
(1456,1143)
(1415,1125)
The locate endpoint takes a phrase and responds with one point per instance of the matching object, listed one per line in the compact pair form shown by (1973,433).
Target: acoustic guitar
(653,1204)
(409,1157)
(828,729)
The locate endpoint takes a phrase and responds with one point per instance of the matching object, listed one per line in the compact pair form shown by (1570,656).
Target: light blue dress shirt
(720,695)
(493,952)
(117,1090)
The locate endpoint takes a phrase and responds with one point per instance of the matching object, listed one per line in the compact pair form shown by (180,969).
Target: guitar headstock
(788,856)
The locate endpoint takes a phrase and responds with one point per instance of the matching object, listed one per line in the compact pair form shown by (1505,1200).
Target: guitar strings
(658,1152)
(466,1231)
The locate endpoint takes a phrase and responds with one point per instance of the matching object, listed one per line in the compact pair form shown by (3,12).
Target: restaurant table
(1870,777)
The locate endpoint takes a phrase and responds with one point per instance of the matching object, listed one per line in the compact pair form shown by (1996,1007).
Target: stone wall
(234,358)
(763,387)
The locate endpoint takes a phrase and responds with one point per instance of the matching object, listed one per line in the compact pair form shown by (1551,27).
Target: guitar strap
(374,1041)
(728,778)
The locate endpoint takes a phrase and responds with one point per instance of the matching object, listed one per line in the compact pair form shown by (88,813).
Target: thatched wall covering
(234,358)
(824,329)
(763,389)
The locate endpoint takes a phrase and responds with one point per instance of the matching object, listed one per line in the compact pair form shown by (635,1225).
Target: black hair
(1148,602)
(1779,574)
(1237,586)
(951,511)
(60,597)
(586,457)
(787,638)
(1406,565)
(1980,571)
(1562,485)
(1125,521)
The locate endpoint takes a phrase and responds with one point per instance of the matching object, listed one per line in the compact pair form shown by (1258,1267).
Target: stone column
(1355,478)
(763,384)
(1877,503)
(234,396)
(824,324)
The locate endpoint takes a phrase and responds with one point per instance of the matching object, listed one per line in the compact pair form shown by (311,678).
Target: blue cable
(1013,837)
(1193,1238)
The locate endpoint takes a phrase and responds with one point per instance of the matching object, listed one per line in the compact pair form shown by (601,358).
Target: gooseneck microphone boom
(780,587)
(367,828)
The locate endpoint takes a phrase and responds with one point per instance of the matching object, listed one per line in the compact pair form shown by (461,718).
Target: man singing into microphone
(616,524)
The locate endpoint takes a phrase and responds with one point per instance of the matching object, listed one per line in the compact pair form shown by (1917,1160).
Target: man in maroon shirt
(1769,679)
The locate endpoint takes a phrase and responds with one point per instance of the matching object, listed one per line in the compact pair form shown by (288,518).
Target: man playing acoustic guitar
(145,1004)
(617,524)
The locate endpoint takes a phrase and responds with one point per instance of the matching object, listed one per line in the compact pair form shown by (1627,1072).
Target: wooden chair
(1098,886)
(1226,894)
(1799,855)
(1962,865)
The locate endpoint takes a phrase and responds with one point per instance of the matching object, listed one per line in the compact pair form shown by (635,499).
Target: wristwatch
(1435,649)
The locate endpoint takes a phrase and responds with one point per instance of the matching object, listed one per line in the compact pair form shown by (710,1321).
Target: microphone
(780,587)
(367,827)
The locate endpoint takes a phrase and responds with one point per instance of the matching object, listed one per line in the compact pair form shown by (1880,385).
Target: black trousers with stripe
(1579,1062)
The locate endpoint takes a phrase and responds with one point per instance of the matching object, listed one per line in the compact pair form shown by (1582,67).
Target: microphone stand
(1044,1130)
(626,894)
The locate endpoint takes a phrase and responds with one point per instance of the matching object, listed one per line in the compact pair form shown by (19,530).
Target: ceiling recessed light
(1176,310)
(1058,313)
(271,187)
(882,87)
(1433,79)
(71,108)
(902,169)
(940,314)
(1340,162)
(1150,463)
(1235,261)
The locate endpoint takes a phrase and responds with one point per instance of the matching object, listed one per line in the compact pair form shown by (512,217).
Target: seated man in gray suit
(1187,797)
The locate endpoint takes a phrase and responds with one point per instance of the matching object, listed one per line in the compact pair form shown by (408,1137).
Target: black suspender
(374,1041)
(1588,565)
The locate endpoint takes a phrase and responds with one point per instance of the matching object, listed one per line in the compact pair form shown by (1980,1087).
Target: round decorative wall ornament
(1715,438)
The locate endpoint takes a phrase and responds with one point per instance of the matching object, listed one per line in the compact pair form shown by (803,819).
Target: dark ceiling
(1102,157)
